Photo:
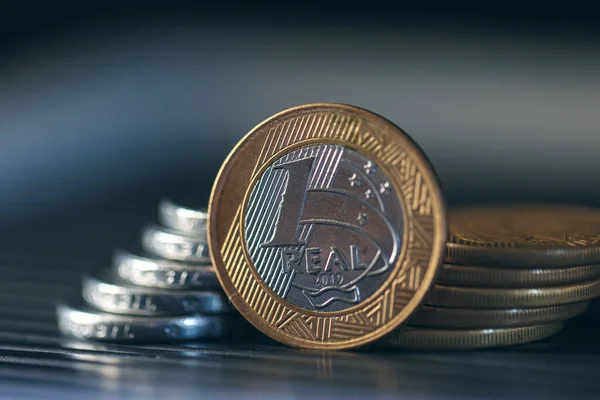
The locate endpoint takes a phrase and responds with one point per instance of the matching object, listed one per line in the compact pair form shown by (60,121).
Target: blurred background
(108,106)
(112,105)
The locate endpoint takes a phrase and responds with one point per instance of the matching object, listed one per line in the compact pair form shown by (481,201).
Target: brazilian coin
(449,339)
(462,275)
(464,318)
(524,236)
(327,226)
(108,293)
(141,269)
(86,323)
(175,245)
(467,297)
(183,219)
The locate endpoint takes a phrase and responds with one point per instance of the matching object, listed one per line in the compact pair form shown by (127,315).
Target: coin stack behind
(165,290)
(511,276)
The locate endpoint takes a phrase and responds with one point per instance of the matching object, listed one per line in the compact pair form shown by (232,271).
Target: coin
(464,318)
(108,294)
(141,269)
(326,226)
(462,275)
(183,219)
(468,297)
(449,339)
(524,236)
(86,323)
(174,245)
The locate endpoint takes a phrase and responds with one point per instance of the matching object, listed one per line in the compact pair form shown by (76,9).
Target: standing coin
(174,245)
(448,339)
(327,226)
(525,236)
(183,219)
(462,275)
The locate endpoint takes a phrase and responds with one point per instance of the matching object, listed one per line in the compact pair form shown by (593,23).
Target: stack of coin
(512,275)
(164,290)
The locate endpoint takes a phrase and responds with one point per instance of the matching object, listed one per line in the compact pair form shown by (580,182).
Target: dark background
(117,103)
(106,106)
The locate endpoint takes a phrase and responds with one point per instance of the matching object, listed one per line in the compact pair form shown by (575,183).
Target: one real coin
(327,226)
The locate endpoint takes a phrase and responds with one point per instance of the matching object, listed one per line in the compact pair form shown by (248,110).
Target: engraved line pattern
(260,211)
(415,194)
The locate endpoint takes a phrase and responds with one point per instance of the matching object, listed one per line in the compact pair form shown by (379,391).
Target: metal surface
(465,318)
(470,297)
(458,339)
(464,275)
(348,239)
(336,215)
(175,245)
(142,269)
(85,323)
(184,219)
(527,236)
(108,293)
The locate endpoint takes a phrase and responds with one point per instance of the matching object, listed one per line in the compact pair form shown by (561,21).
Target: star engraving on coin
(370,168)
(385,188)
(363,218)
(354,180)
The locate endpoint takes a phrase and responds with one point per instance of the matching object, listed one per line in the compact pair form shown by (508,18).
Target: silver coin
(85,323)
(174,245)
(108,293)
(140,269)
(324,227)
(183,219)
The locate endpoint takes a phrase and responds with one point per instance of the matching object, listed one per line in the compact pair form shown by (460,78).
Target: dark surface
(35,361)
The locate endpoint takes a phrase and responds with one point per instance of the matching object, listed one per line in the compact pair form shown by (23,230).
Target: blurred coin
(449,339)
(469,297)
(463,318)
(110,294)
(462,275)
(183,219)
(174,245)
(142,269)
(524,236)
(86,323)
(327,226)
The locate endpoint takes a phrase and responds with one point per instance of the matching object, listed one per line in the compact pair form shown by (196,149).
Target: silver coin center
(323,227)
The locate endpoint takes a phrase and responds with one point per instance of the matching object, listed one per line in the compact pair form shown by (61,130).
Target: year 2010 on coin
(327,226)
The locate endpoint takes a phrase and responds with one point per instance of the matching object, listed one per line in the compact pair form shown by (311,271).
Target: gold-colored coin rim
(464,275)
(464,318)
(518,254)
(450,339)
(468,297)
(390,305)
